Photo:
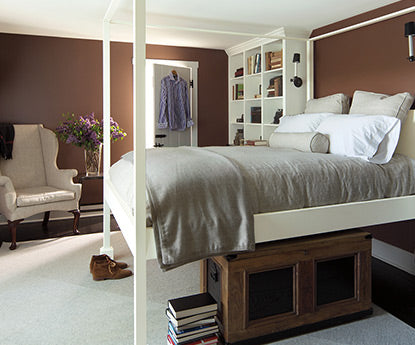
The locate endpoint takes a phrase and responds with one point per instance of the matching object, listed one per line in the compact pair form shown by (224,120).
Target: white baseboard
(394,256)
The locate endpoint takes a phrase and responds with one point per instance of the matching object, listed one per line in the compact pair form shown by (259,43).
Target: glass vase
(93,161)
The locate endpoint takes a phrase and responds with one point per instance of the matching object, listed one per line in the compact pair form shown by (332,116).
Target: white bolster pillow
(306,142)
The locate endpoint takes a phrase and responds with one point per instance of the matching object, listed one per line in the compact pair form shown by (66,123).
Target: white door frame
(194,65)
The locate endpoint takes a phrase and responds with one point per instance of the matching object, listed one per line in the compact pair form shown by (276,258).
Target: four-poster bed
(268,226)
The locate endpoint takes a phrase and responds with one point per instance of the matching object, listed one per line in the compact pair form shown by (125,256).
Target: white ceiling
(83,18)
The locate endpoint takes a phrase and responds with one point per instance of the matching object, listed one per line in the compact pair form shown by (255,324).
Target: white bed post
(310,69)
(139,59)
(106,246)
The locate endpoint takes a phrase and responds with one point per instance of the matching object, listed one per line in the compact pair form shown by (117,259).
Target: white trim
(365,23)
(308,221)
(139,110)
(106,85)
(310,70)
(394,256)
(112,8)
(271,35)
(256,42)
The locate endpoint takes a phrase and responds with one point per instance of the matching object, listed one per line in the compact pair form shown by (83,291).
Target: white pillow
(373,138)
(370,103)
(302,123)
(306,142)
(337,104)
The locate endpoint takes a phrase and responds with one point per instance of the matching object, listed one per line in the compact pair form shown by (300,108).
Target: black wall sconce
(296,80)
(410,32)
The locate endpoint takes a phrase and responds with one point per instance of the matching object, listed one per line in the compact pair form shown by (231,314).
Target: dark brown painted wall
(372,58)
(43,77)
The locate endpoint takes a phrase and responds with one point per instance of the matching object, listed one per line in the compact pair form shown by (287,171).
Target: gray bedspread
(199,205)
(203,200)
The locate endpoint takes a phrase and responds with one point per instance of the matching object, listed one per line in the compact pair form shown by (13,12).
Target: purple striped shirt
(174,104)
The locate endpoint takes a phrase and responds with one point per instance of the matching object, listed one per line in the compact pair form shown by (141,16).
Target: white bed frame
(269,226)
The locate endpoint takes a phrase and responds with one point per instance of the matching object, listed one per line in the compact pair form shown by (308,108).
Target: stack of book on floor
(192,320)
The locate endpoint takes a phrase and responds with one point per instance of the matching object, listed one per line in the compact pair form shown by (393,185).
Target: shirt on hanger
(174,104)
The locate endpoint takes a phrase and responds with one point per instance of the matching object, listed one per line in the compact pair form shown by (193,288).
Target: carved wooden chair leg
(76,214)
(45,221)
(12,228)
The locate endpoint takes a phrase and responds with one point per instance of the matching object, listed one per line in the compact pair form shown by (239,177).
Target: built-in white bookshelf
(255,82)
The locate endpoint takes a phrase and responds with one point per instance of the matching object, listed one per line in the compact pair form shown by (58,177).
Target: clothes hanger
(173,71)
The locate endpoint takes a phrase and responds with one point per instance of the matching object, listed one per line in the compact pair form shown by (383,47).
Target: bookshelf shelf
(253,75)
(273,70)
(275,97)
(256,57)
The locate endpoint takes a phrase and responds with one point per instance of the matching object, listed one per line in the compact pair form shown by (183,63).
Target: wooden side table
(83,177)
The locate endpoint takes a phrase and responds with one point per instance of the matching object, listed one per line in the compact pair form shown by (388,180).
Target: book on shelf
(275,87)
(237,92)
(189,319)
(273,60)
(254,63)
(210,340)
(256,142)
(255,114)
(239,72)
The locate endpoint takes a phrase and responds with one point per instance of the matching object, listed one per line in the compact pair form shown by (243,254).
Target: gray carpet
(47,297)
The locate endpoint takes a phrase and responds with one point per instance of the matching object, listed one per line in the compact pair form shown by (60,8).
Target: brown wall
(43,77)
(372,58)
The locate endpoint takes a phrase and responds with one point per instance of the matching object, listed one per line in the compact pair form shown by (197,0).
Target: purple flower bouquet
(87,132)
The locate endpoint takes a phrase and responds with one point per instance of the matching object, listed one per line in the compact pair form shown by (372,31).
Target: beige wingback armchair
(31,182)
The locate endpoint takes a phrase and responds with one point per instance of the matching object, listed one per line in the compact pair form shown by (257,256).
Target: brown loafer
(108,269)
(105,257)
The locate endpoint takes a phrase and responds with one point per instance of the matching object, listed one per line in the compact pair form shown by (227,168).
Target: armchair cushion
(41,195)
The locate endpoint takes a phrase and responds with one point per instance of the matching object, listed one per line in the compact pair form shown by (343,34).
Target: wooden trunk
(289,284)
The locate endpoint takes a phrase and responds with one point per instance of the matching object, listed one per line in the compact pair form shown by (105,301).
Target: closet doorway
(156,71)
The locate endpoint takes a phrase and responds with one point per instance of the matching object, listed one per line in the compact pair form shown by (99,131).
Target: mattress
(268,180)
(315,180)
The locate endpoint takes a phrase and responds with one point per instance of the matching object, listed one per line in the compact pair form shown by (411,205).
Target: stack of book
(275,87)
(254,63)
(239,72)
(256,142)
(273,60)
(237,92)
(192,320)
